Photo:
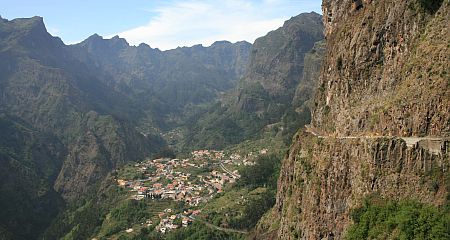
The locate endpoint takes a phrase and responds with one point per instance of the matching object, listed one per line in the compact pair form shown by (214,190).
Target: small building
(121,182)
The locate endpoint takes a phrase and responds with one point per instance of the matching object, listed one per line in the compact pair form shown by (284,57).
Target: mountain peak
(144,45)
(95,36)
(221,43)
(118,40)
(37,19)
(97,40)
(35,23)
(29,32)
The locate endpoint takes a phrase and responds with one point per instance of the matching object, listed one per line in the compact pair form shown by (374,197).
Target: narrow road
(433,143)
(219,228)
(228,171)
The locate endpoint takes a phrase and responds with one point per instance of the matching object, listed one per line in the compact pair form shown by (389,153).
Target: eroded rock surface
(382,116)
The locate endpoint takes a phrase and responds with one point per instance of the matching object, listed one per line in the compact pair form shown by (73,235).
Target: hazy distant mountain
(163,83)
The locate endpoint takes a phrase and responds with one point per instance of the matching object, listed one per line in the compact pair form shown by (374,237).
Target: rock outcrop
(274,92)
(323,179)
(276,64)
(384,77)
(386,69)
(304,93)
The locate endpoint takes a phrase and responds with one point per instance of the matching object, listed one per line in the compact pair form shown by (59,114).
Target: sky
(161,24)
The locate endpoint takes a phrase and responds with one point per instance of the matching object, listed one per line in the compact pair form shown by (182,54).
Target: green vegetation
(28,164)
(83,218)
(263,174)
(431,5)
(86,109)
(129,172)
(379,219)
(239,208)
(339,63)
(253,210)
(244,204)
(165,152)
(107,214)
(124,215)
(292,121)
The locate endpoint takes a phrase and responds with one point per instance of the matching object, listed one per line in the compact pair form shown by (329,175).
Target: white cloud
(53,31)
(189,22)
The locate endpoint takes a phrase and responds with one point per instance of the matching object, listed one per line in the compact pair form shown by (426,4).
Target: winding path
(432,144)
(219,228)
(228,171)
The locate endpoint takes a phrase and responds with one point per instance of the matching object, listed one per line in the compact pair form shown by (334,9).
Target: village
(193,181)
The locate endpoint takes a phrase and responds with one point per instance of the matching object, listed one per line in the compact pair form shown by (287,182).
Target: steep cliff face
(276,64)
(103,145)
(384,77)
(29,163)
(304,93)
(163,83)
(386,69)
(274,92)
(322,180)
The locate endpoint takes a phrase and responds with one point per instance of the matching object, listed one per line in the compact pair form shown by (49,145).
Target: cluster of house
(169,221)
(173,179)
(210,154)
(170,178)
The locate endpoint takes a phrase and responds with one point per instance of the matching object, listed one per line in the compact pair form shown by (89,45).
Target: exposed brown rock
(386,70)
(385,73)
(322,180)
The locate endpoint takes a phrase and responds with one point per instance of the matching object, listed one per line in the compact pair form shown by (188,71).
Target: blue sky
(162,24)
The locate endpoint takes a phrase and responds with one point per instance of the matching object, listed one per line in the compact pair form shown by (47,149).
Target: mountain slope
(104,103)
(389,85)
(378,87)
(50,92)
(164,83)
(29,163)
(263,98)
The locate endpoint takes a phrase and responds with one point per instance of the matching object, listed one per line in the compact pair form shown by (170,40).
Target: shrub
(339,63)
(399,220)
(430,6)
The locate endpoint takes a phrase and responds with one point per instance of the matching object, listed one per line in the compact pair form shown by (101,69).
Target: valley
(333,126)
(186,185)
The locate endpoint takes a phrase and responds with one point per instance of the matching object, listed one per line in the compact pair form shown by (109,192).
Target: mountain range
(70,114)
(357,99)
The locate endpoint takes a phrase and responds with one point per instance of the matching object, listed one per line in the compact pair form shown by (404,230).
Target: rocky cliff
(323,179)
(276,64)
(274,92)
(386,68)
(384,79)
(164,83)
(304,93)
